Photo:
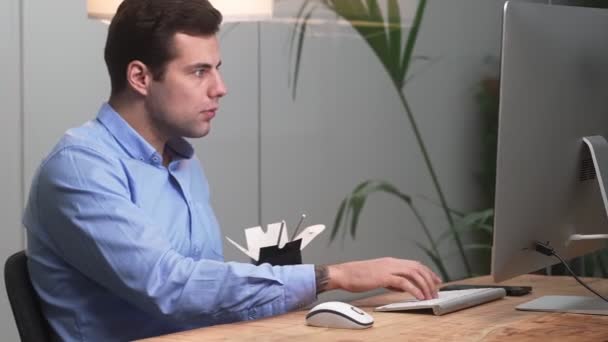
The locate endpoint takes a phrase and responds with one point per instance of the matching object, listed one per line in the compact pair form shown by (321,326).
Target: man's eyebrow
(205,65)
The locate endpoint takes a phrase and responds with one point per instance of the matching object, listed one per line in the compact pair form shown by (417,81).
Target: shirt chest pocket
(206,237)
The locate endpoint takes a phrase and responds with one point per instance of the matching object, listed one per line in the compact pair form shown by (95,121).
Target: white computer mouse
(338,315)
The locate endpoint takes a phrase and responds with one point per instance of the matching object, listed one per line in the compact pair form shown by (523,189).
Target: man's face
(185,100)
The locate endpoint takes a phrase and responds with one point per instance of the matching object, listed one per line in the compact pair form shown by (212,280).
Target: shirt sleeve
(98,230)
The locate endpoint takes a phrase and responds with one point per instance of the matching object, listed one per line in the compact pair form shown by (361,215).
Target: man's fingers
(435,278)
(423,277)
(403,284)
(426,273)
(430,283)
(418,280)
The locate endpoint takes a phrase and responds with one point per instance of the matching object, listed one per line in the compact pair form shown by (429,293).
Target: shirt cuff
(300,288)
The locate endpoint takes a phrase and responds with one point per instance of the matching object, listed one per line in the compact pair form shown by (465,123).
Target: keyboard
(448,301)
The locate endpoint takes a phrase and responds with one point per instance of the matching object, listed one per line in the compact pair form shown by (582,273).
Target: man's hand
(394,274)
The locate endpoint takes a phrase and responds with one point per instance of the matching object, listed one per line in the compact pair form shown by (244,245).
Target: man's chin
(197,134)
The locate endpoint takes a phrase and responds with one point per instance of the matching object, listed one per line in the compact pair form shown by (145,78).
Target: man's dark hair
(144,29)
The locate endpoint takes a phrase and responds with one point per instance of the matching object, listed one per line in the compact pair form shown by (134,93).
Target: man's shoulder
(91,136)
(87,146)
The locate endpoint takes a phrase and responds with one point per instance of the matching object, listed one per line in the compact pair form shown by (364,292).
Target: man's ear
(139,77)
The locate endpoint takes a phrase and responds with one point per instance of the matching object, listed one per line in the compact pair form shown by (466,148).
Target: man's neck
(135,114)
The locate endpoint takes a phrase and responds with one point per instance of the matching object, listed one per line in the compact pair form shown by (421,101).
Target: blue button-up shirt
(121,247)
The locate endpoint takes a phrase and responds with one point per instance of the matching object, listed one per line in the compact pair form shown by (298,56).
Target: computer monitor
(552,161)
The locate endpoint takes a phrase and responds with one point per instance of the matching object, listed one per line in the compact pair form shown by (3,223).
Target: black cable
(546,249)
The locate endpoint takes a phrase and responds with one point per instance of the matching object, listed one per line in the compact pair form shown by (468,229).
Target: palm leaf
(394,34)
(352,207)
(374,10)
(474,221)
(300,30)
(374,30)
(436,259)
(355,202)
(296,32)
(361,186)
(411,41)
(338,219)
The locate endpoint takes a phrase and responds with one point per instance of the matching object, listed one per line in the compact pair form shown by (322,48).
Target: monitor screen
(553,118)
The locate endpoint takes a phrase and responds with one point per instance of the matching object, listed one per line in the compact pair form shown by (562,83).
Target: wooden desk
(495,321)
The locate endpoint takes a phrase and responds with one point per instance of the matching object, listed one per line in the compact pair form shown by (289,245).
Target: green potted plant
(384,35)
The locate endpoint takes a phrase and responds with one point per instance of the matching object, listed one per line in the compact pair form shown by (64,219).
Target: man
(122,241)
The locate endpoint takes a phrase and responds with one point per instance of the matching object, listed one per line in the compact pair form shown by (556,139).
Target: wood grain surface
(494,321)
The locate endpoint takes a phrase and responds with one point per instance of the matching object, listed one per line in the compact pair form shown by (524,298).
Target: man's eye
(199,72)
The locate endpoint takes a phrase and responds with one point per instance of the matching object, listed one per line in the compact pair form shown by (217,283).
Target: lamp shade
(102,9)
(232,10)
(244,10)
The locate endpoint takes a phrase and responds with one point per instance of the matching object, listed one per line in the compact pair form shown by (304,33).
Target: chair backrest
(24,300)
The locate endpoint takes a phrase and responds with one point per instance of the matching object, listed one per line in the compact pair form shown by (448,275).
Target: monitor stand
(598,148)
(569,304)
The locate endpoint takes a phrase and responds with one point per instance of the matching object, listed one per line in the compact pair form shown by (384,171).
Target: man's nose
(219,88)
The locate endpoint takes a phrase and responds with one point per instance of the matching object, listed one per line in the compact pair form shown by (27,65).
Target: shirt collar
(133,143)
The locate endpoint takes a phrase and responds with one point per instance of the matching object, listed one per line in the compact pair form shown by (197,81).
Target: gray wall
(345,126)
(10,150)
